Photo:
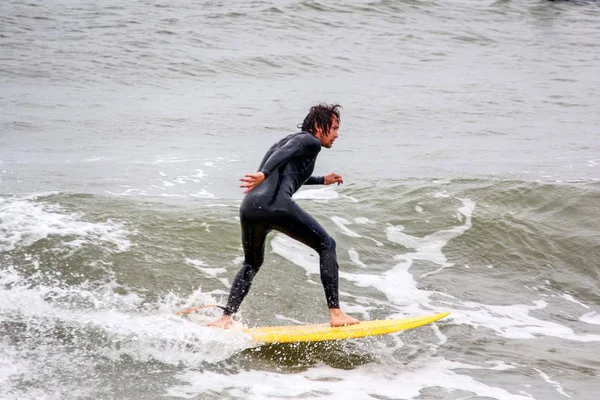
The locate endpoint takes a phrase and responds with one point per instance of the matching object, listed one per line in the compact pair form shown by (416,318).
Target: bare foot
(339,318)
(224,322)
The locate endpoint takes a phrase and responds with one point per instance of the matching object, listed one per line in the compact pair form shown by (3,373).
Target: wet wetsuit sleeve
(296,147)
(315,180)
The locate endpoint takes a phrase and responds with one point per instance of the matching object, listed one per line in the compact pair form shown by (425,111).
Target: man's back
(287,165)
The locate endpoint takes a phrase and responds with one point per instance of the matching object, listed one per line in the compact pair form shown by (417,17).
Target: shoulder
(309,140)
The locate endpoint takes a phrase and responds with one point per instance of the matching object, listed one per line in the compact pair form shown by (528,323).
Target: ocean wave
(27,220)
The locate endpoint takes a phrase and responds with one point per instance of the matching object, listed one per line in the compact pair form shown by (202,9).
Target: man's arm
(315,180)
(325,180)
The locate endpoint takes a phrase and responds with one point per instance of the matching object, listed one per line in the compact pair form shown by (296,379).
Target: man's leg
(301,226)
(253,241)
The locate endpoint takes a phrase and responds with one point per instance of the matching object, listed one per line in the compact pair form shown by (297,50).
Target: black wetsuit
(287,165)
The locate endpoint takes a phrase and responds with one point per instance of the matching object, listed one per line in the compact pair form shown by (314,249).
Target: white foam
(296,252)
(142,335)
(129,192)
(591,318)
(300,254)
(355,258)
(438,333)
(400,287)
(556,385)
(352,199)
(212,272)
(514,321)
(12,364)
(397,284)
(203,194)
(363,220)
(195,263)
(355,309)
(429,248)
(341,223)
(39,366)
(171,160)
(511,321)
(572,300)
(25,221)
(364,382)
(209,272)
(316,194)
(238,260)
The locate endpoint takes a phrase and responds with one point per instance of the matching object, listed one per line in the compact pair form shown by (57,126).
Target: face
(328,138)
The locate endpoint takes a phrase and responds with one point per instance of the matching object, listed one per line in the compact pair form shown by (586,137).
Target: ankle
(334,312)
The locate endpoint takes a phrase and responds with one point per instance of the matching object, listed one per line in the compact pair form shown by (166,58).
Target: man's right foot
(224,322)
(339,318)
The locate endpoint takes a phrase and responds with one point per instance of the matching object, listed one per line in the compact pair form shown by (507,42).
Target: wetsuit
(287,165)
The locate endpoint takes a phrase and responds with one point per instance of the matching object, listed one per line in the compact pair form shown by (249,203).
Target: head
(323,121)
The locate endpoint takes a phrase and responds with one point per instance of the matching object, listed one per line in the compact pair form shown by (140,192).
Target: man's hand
(333,178)
(251,180)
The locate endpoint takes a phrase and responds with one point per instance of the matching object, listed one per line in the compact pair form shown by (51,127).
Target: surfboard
(323,332)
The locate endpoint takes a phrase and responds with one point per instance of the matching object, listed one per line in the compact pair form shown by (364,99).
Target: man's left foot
(224,322)
(339,318)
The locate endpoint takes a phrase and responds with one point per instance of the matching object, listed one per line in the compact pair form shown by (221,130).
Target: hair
(321,116)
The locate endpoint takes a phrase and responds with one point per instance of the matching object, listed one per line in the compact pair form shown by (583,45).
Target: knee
(328,245)
(254,263)
(332,244)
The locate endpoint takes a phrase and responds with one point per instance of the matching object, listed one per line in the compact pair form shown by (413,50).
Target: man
(268,205)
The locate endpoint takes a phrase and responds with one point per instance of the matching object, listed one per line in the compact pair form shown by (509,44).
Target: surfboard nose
(324,332)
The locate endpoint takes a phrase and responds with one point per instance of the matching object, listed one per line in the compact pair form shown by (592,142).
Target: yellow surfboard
(321,332)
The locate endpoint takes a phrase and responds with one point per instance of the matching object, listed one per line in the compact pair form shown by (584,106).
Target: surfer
(268,206)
